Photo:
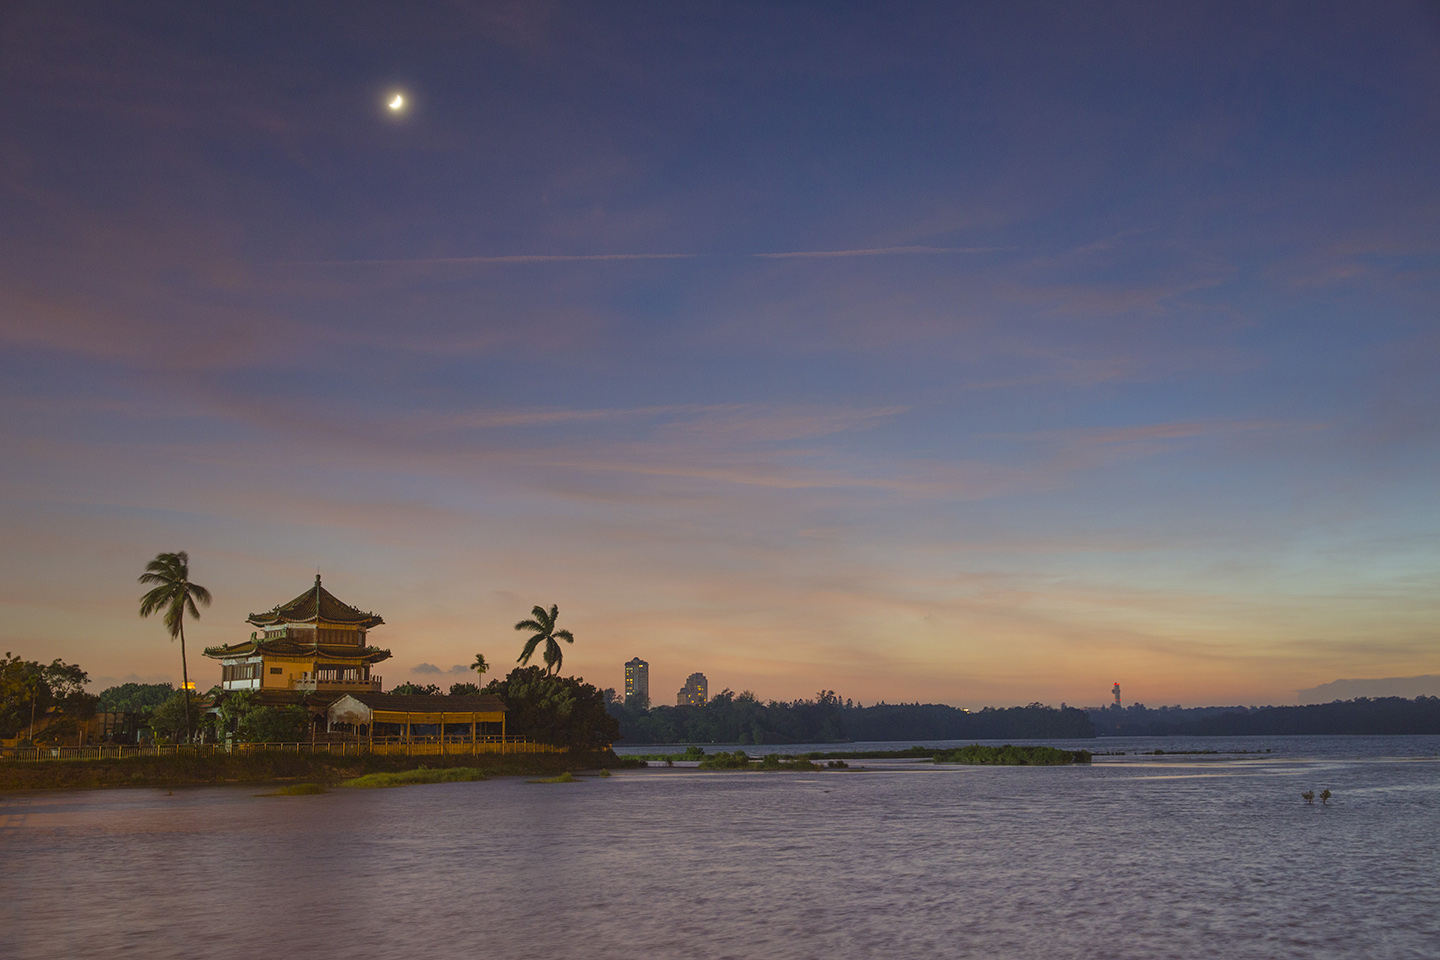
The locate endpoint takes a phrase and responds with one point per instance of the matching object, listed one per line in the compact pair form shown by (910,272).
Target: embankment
(269,767)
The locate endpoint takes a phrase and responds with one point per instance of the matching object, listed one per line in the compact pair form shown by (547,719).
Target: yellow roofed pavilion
(313,644)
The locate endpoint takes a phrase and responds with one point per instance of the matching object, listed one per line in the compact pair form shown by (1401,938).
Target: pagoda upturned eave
(316,605)
(285,647)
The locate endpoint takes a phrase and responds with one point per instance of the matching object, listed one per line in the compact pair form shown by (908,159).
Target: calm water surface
(1160,857)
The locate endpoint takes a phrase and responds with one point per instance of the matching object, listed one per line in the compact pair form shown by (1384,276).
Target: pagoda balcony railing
(309,682)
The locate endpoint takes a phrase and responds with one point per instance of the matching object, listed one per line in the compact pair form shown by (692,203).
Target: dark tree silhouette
(542,626)
(175,594)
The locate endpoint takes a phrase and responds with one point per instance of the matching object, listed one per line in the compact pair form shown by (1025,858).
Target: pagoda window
(240,671)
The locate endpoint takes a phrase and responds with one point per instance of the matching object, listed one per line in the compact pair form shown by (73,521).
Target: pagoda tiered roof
(291,647)
(316,605)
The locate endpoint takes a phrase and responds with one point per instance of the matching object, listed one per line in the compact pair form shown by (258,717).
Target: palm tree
(175,594)
(543,627)
(480,666)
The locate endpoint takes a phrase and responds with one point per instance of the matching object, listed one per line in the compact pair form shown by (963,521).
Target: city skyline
(972,355)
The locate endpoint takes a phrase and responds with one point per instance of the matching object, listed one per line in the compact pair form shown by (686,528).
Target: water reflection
(1166,858)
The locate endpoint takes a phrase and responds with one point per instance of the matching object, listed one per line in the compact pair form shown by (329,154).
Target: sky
(965,353)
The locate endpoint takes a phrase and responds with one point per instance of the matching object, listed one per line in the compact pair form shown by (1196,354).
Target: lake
(1131,857)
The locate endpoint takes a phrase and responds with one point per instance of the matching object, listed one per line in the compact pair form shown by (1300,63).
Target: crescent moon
(397,103)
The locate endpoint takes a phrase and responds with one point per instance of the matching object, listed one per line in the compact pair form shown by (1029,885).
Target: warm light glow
(398,103)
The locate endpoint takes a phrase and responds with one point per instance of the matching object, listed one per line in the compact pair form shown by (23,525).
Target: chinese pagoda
(315,644)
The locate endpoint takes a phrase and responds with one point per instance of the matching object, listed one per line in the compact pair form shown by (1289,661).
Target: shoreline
(28,775)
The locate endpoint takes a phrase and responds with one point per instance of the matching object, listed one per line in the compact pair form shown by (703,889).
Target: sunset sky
(971,353)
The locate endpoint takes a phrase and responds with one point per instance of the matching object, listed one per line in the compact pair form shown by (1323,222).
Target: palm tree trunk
(185,675)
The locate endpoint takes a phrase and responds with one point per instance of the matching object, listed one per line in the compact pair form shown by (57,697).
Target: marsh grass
(297,790)
(1011,755)
(566,777)
(405,778)
(739,760)
(268,768)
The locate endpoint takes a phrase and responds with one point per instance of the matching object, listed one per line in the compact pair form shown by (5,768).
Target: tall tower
(694,693)
(1116,691)
(637,684)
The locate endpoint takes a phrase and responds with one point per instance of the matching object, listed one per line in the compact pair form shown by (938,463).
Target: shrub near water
(1012,756)
(422,775)
(739,760)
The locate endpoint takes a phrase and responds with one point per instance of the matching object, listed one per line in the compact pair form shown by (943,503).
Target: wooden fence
(388,746)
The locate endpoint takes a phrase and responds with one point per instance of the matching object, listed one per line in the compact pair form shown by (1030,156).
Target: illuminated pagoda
(313,645)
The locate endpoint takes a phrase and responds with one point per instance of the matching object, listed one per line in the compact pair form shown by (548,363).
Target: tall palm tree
(543,628)
(480,666)
(175,594)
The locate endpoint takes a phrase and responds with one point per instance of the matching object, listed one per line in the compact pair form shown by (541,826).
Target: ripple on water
(1161,859)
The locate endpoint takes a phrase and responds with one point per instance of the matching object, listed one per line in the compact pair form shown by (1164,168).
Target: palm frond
(530,625)
(565,635)
(201,594)
(154,600)
(528,652)
(174,614)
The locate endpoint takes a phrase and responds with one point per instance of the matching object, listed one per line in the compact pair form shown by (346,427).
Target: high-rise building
(694,693)
(637,684)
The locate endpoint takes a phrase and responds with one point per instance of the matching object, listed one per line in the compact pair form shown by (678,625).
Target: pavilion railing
(380,746)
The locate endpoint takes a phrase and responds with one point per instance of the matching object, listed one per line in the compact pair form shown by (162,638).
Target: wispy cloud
(513,258)
(526,258)
(876,252)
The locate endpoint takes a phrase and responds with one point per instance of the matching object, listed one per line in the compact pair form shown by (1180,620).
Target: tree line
(825,718)
(1363,716)
(31,691)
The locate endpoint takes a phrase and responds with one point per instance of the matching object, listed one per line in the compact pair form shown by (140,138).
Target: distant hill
(1362,715)
(1381,716)
(1407,687)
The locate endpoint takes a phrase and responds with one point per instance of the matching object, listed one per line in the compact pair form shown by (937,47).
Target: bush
(564,711)
(254,723)
(739,760)
(418,689)
(135,697)
(168,719)
(277,725)
(1012,756)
